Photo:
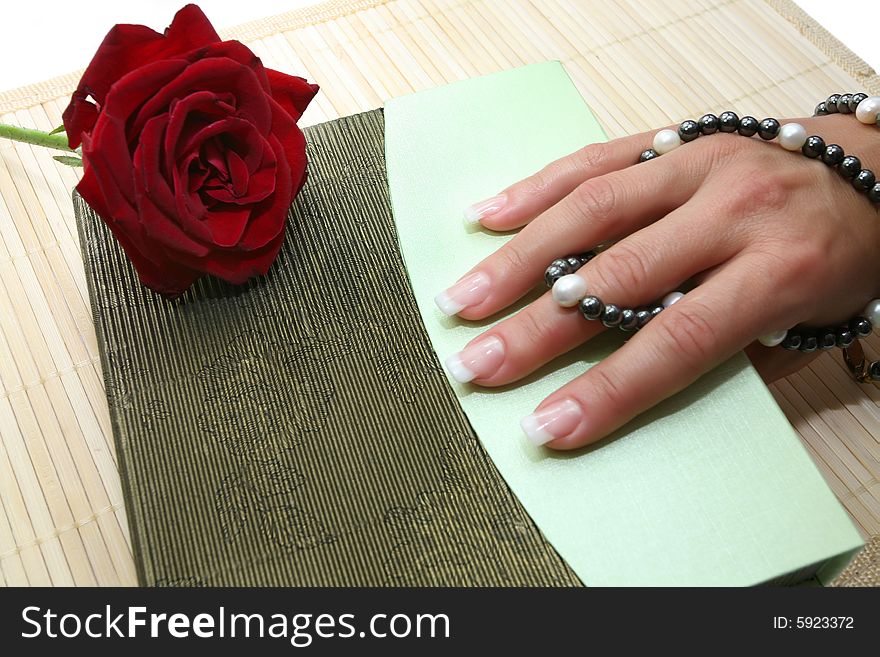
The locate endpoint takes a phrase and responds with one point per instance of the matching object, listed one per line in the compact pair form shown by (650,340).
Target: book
(298,430)
(711,487)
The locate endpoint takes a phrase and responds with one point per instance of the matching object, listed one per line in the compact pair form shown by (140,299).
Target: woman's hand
(771,238)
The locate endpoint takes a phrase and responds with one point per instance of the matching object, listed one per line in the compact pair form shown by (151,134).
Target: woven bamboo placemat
(638,63)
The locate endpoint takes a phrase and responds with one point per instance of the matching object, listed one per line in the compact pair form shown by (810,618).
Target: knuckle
(691,334)
(592,157)
(802,266)
(793,265)
(623,269)
(587,160)
(532,329)
(610,388)
(724,148)
(595,200)
(512,260)
(540,183)
(759,193)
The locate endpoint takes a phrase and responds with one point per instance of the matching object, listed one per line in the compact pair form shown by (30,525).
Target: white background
(55,37)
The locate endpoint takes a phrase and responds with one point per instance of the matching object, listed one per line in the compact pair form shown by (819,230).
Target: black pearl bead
(562,263)
(708,124)
(855,100)
(833,155)
(688,130)
(792,341)
(831,103)
(864,180)
(628,320)
(809,344)
(656,310)
(586,257)
(552,275)
(827,339)
(728,122)
(874,370)
(820,109)
(768,129)
(649,154)
(845,337)
(748,126)
(874,193)
(813,147)
(850,166)
(611,316)
(861,326)
(574,263)
(642,318)
(591,308)
(843,104)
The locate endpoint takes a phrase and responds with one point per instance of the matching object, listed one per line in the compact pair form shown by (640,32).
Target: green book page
(712,487)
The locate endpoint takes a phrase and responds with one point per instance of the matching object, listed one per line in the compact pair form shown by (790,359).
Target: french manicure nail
(474,213)
(469,291)
(480,359)
(552,422)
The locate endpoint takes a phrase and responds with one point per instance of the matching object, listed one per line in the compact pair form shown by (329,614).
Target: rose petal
(236,266)
(131,91)
(209,107)
(154,268)
(237,134)
(236,51)
(216,74)
(79,117)
(213,155)
(186,208)
(124,49)
(238,173)
(260,186)
(269,217)
(107,152)
(165,229)
(227,223)
(293,93)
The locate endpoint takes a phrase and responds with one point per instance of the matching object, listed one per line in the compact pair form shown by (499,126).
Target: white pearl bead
(792,136)
(569,289)
(872,313)
(868,110)
(665,141)
(773,339)
(672,298)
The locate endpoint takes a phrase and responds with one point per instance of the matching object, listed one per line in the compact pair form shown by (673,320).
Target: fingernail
(552,422)
(480,359)
(469,291)
(474,213)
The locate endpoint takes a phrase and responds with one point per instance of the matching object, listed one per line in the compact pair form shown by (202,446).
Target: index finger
(518,204)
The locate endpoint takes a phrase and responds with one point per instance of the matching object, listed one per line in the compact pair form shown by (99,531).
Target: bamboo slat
(63,520)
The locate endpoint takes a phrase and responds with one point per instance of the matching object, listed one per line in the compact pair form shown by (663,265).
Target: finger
(710,324)
(526,199)
(638,270)
(603,208)
(773,363)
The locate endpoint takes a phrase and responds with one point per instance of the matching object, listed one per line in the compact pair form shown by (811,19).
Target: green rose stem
(57,141)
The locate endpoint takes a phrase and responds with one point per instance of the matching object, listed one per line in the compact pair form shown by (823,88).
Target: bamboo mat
(638,63)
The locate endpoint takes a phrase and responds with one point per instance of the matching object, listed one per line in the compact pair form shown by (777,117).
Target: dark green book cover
(298,430)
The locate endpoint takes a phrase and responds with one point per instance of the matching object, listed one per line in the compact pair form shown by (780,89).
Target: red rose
(191,150)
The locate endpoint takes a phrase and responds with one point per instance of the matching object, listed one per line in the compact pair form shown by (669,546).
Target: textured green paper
(711,488)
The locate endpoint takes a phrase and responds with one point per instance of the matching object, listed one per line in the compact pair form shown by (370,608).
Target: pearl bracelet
(792,137)
(569,290)
(865,107)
